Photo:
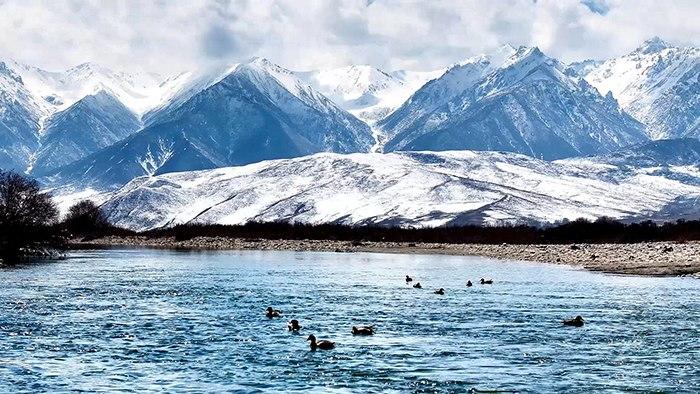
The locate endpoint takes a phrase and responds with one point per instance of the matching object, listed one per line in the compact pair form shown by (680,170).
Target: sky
(168,36)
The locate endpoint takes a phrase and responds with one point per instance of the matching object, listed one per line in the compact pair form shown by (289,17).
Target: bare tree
(26,214)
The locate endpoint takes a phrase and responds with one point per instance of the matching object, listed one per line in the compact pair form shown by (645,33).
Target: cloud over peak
(170,36)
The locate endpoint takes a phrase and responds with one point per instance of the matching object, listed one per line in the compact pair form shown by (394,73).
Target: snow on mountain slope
(256,112)
(20,121)
(367,92)
(92,123)
(657,83)
(527,103)
(138,91)
(670,152)
(84,109)
(406,188)
(177,90)
(456,80)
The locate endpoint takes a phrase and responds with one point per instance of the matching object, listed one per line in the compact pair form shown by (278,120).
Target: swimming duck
(469,283)
(486,281)
(273,312)
(293,325)
(408,279)
(417,286)
(322,344)
(576,322)
(440,291)
(362,330)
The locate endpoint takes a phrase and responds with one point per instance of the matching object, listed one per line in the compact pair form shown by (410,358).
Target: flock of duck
(293,325)
(323,344)
(441,291)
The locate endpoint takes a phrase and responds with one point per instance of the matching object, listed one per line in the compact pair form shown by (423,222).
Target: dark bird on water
(293,325)
(440,291)
(408,279)
(417,286)
(469,283)
(273,312)
(363,330)
(486,281)
(322,344)
(575,322)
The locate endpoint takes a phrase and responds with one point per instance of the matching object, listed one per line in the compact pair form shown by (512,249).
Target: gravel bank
(652,259)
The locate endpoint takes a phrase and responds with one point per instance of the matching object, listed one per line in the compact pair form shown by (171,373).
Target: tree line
(30,224)
(603,230)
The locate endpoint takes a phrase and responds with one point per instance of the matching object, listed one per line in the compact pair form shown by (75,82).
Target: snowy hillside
(257,111)
(521,102)
(365,91)
(410,188)
(657,83)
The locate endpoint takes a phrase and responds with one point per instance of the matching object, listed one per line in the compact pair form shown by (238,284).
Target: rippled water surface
(142,320)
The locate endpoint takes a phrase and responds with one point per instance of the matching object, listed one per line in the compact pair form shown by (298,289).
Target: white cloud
(302,34)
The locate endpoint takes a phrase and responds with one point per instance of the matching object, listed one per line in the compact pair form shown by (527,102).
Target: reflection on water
(141,320)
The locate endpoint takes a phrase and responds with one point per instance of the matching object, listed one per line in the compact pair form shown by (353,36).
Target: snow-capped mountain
(55,118)
(436,93)
(411,188)
(527,104)
(257,111)
(92,123)
(20,118)
(365,91)
(657,83)
(137,91)
(90,126)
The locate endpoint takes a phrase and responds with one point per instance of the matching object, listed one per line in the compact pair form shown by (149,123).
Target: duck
(408,279)
(417,286)
(322,344)
(362,330)
(469,283)
(486,281)
(273,312)
(576,322)
(440,291)
(293,325)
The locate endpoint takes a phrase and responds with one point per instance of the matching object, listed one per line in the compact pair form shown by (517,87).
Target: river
(144,320)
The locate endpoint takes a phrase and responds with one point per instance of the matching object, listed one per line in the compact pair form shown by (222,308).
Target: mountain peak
(89,67)
(652,45)
(5,69)
(259,60)
(265,65)
(525,55)
(103,94)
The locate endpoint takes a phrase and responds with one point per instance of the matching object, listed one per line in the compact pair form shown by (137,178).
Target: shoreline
(646,259)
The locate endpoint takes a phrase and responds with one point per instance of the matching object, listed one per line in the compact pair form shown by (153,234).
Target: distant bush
(603,230)
(27,217)
(85,217)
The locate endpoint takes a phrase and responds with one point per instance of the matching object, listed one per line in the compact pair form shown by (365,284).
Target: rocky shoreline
(648,258)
